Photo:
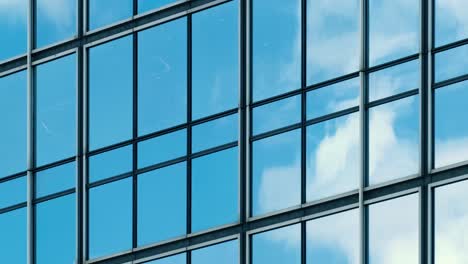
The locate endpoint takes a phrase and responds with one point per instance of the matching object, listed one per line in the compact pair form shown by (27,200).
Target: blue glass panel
(394,80)
(215,189)
(102,13)
(56,179)
(13,192)
(334,239)
(162,76)
(333,98)
(451,63)
(332,28)
(13,240)
(13,28)
(110,163)
(146,5)
(215,133)
(56,110)
(451,23)
(282,245)
(451,128)
(333,157)
(13,106)
(393,29)
(110,218)
(226,253)
(276,62)
(163,148)
(162,199)
(55,21)
(56,231)
(276,115)
(215,60)
(176,259)
(110,93)
(394,140)
(276,172)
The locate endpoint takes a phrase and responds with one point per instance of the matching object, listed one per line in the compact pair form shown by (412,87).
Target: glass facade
(233,131)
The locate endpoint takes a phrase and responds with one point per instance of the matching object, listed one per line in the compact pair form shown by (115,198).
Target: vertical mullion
(248,102)
(189,125)
(135,145)
(85,134)
(303,123)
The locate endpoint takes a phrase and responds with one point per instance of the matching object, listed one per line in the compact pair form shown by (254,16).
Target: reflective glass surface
(451,22)
(276,115)
(226,253)
(102,14)
(394,140)
(146,5)
(56,110)
(276,52)
(176,259)
(110,218)
(13,192)
(215,189)
(215,133)
(334,239)
(276,172)
(13,115)
(332,28)
(451,63)
(56,179)
(215,60)
(110,93)
(278,246)
(162,76)
(110,163)
(13,28)
(162,198)
(55,21)
(163,148)
(392,237)
(333,157)
(13,240)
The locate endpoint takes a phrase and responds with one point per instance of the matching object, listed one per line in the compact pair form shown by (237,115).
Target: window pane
(101,13)
(176,259)
(226,253)
(56,229)
(334,239)
(276,62)
(110,93)
(333,98)
(13,192)
(451,63)
(55,21)
(276,115)
(276,169)
(110,218)
(146,5)
(162,76)
(451,128)
(56,179)
(56,110)
(450,21)
(13,29)
(393,30)
(332,28)
(394,80)
(451,223)
(282,245)
(215,61)
(163,148)
(13,106)
(333,157)
(215,189)
(394,140)
(13,240)
(110,163)
(215,133)
(162,196)
(393,238)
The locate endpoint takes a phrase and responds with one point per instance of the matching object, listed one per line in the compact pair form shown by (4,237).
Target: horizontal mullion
(393,63)
(54,196)
(275,132)
(393,98)
(54,164)
(334,115)
(450,45)
(13,207)
(13,176)
(451,81)
(109,180)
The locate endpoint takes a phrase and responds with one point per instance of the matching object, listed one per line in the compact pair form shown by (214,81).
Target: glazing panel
(176,259)
(56,179)
(276,115)
(163,148)
(450,63)
(282,245)
(147,5)
(13,192)
(110,163)
(215,133)
(451,22)
(55,21)
(101,13)
(226,253)
(13,240)
(13,28)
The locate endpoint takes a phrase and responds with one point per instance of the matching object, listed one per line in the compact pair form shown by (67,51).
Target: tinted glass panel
(56,110)
(276,60)
(333,157)
(334,239)
(110,163)
(393,29)
(394,140)
(332,28)
(56,179)
(55,229)
(55,21)
(214,133)
(215,189)
(276,169)
(276,115)
(226,253)
(162,148)
(146,5)
(177,259)
(110,93)
(451,63)
(13,240)
(162,196)
(101,13)
(282,245)
(13,28)
(110,218)
(451,128)
(451,23)
(215,61)
(393,238)
(13,106)
(162,76)
(13,192)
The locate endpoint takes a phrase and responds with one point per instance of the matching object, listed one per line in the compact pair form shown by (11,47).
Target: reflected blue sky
(56,179)
(110,163)
(146,5)
(226,253)
(13,192)
(276,115)
(277,246)
(13,229)
(176,259)
(55,21)
(215,133)
(102,14)
(13,28)
(450,64)
(162,148)
(451,22)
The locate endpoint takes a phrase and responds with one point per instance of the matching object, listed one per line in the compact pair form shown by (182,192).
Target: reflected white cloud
(453,14)
(13,11)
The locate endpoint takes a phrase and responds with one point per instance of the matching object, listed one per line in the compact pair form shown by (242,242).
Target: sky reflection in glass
(277,246)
